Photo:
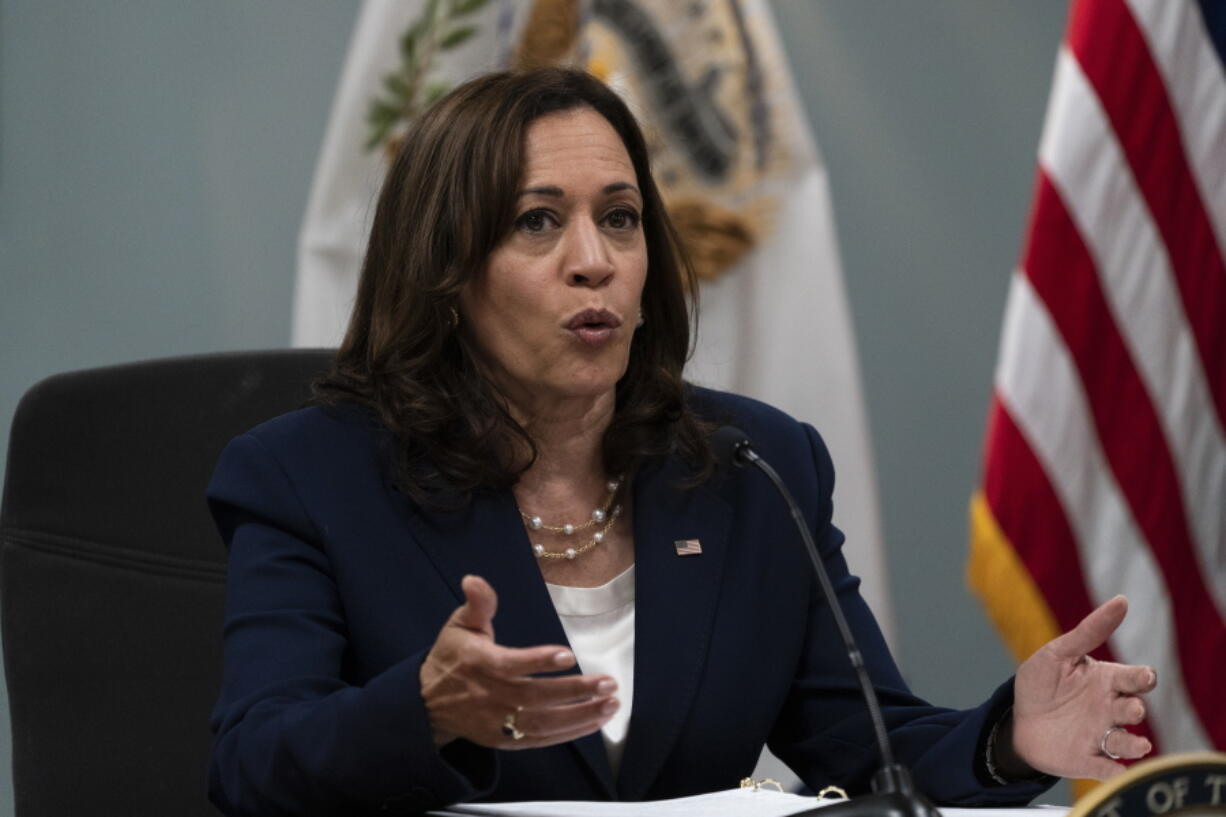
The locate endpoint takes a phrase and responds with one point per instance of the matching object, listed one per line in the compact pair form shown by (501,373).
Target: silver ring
(1102,743)
(509,727)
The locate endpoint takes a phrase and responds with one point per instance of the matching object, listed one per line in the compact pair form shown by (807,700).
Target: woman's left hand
(1069,710)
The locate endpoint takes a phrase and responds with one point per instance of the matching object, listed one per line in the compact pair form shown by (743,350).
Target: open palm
(1069,709)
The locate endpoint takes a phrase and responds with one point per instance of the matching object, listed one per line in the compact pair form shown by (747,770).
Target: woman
(508,480)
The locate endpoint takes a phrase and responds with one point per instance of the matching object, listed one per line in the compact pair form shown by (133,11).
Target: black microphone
(894,794)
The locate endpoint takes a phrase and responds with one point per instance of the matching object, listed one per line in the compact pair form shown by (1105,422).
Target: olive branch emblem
(408,90)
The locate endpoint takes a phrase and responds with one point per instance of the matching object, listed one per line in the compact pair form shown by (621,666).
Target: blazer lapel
(488,539)
(675,601)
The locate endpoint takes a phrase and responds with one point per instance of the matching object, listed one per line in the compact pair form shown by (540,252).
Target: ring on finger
(1102,743)
(509,726)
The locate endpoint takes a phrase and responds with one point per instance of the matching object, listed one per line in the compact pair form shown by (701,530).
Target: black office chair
(111,576)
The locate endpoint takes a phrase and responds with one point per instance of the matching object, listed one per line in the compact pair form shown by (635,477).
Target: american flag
(688,547)
(1105,457)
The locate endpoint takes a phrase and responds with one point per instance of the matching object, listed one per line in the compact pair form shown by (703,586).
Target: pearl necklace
(572,552)
(606,515)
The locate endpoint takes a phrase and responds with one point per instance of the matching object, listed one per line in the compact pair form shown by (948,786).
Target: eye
(623,218)
(535,221)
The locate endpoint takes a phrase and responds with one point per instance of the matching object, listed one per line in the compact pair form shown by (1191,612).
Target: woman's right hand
(470,684)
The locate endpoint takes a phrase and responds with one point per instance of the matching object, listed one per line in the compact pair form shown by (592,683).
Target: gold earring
(455,317)
(642,320)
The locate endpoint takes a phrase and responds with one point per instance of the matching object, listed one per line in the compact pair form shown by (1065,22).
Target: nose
(588,262)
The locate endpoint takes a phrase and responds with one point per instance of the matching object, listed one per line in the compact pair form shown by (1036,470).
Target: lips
(594,326)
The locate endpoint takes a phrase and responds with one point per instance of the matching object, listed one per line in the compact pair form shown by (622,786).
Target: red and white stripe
(1111,386)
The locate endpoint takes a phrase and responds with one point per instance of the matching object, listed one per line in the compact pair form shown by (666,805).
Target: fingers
(1124,744)
(1127,710)
(1092,631)
(564,737)
(513,662)
(480,604)
(553,722)
(539,692)
(1121,744)
(471,685)
(530,741)
(1134,680)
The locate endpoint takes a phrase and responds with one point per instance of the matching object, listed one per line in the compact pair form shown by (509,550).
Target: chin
(588,383)
(591,389)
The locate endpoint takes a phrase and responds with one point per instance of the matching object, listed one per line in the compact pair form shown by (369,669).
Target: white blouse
(599,623)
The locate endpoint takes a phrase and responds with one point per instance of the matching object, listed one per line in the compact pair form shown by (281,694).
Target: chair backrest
(112,575)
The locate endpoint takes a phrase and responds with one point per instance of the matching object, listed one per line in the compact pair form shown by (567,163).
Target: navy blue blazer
(338,585)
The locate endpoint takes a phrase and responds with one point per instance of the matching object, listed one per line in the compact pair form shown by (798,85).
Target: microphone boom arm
(853,651)
(894,793)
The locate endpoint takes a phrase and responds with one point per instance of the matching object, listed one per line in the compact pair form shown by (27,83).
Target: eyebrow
(549,190)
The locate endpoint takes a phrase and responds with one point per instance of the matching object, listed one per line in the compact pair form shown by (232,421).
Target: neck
(568,435)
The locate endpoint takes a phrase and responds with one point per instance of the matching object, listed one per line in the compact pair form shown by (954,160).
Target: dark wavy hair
(449,199)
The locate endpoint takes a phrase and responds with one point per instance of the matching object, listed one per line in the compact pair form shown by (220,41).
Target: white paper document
(730,803)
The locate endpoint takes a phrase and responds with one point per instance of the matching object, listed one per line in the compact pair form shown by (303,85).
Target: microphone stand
(894,793)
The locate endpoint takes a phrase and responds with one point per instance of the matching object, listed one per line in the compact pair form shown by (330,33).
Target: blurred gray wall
(155,159)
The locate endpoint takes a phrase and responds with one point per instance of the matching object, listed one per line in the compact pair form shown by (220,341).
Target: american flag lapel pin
(688,547)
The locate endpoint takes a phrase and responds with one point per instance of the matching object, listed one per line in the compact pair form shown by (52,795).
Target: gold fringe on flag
(1004,586)
(1007,591)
